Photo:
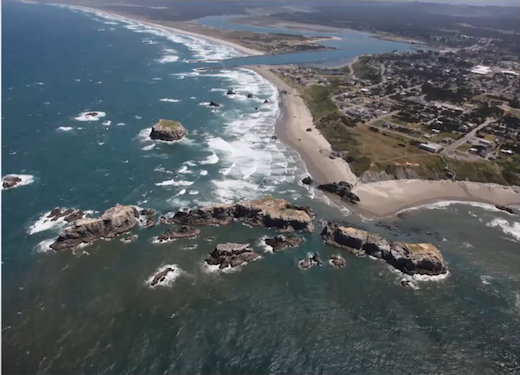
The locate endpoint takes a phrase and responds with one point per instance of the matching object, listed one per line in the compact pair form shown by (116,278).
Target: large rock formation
(167,130)
(268,212)
(341,189)
(231,255)
(410,258)
(114,221)
(184,232)
(9,181)
(281,241)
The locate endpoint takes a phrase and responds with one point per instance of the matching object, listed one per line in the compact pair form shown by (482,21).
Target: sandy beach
(293,132)
(387,198)
(378,199)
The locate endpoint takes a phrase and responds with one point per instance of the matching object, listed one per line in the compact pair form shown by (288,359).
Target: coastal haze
(257,97)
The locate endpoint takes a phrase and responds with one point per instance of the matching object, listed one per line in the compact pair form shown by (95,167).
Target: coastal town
(447,103)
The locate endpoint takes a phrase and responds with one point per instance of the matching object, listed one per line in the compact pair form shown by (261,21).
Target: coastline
(294,133)
(380,199)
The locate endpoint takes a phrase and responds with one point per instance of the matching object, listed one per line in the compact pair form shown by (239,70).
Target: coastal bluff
(114,221)
(168,130)
(409,258)
(268,212)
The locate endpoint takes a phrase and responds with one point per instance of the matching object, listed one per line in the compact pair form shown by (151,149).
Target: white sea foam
(445,204)
(193,97)
(261,243)
(169,100)
(169,278)
(193,192)
(65,128)
(120,124)
(45,246)
(510,228)
(174,183)
(168,59)
(44,224)
(203,172)
(138,117)
(27,179)
(212,159)
(156,79)
(149,147)
(107,123)
(183,169)
(90,116)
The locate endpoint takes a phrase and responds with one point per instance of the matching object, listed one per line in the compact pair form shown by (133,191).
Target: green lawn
(170,123)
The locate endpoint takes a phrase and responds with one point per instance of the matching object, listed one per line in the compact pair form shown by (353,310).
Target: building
(431,147)
(481,69)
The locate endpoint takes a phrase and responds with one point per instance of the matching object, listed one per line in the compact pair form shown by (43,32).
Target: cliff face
(268,212)
(114,221)
(167,130)
(410,258)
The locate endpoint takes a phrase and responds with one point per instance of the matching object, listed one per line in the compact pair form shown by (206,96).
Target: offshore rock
(307,180)
(505,208)
(231,255)
(341,189)
(10,181)
(114,221)
(161,276)
(168,130)
(281,241)
(337,261)
(268,212)
(213,104)
(410,258)
(184,232)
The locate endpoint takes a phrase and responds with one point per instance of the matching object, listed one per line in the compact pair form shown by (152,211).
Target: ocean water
(92,310)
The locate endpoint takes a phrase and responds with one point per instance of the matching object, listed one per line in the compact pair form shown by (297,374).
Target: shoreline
(379,199)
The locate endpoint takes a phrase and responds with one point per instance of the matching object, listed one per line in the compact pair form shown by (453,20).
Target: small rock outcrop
(266,101)
(249,96)
(307,180)
(341,189)
(337,261)
(505,208)
(114,221)
(168,130)
(161,276)
(231,255)
(268,212)
(316,259)
(9,181)
(274,137)
(231,92)
(148,217)
(213,104)
(308,129)
(310,261)
(281,241)
(183,232)
(69,215)
(410,258)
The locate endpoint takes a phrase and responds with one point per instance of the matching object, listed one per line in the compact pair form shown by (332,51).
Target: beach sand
(387,198)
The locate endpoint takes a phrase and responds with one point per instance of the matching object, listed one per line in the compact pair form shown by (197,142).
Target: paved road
(451,148)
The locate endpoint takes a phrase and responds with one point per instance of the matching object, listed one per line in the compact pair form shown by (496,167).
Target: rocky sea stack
(114,221)
(268,212)
(168,130)
(231,255)
(9,181)
(341,189)
(410,258)
(279,242)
